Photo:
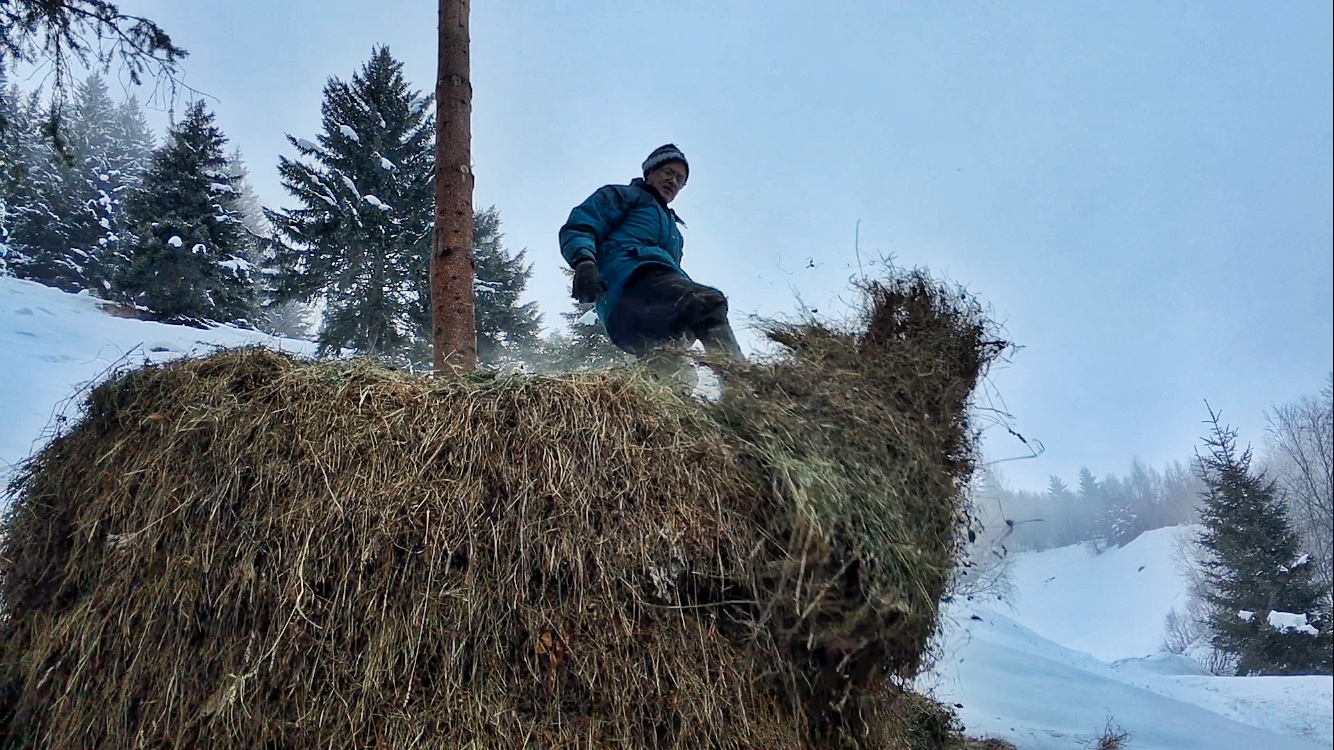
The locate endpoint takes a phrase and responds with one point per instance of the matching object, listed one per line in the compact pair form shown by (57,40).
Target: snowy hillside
(1081,646)
(53,343)
(1109,605)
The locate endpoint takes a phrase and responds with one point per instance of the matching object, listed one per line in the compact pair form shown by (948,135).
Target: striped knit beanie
(663,154)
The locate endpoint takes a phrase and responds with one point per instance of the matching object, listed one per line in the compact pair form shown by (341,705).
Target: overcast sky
(1140,190)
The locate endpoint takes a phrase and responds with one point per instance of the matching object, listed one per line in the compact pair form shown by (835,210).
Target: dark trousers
(660,307)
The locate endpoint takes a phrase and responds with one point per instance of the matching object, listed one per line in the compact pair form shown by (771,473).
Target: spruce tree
(17,150)
(290,318)
(361,239)
(1255,567)
(1121,521)
(507,330)
(6,107)
(186,263)
(256,231)
(10,149)
(54,209)
(1089,493)
(9,163)
(1064,525)
(70,206)
(128,156)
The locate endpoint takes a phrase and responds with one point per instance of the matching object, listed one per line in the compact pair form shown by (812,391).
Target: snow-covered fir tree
(289,318)
(186,260)
(56,213)
(67,208)
(508,331)
(10,169)
(1265,610)
(247,203)
(115,171)
(360,240)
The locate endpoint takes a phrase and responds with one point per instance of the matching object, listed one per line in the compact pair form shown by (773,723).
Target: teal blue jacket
(622,228)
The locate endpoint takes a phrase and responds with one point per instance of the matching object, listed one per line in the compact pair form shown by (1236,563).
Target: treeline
(1110,511)
(173,230)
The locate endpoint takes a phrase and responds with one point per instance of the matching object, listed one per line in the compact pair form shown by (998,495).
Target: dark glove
(588,283)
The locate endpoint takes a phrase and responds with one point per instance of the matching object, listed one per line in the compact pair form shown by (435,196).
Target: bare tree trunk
(452,263)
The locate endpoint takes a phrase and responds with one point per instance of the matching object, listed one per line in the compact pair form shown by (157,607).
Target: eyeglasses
(676,174)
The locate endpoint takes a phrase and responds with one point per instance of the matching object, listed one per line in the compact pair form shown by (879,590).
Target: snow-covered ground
(1079,645)
(52,344)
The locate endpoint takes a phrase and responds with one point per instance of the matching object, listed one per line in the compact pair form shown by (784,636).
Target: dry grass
(1113,738)
(253,551)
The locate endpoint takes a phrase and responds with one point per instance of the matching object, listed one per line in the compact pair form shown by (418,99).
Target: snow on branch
(1286,621)
(374,201)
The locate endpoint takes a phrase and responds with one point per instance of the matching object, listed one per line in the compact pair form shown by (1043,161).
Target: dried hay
(253,551)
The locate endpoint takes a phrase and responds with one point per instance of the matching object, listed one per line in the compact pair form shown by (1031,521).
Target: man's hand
(588,283)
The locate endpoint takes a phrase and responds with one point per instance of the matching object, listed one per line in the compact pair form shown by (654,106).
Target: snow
(1081,646)
(1285,621)
(387,165)
(176,241)
(1245,615)
(199,249)
(54,344)
(349,133)
(374,201)
(1063,595)
(1301,560)
(589,318)
(236,265)
(303,143)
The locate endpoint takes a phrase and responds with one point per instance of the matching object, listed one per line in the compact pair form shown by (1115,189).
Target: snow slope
(1070,595)
(1080,647)
(52,344)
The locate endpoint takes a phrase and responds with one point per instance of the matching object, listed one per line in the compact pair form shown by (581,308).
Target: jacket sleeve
(588,221)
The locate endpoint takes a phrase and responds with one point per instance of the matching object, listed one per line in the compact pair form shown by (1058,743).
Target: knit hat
(663,154)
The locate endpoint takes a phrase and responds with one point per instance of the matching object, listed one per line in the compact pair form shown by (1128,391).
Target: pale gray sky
(1141,190)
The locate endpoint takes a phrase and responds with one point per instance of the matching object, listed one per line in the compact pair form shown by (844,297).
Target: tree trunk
(452,264)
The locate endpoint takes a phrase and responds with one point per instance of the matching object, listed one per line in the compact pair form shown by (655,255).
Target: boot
(670,366)
(720,340)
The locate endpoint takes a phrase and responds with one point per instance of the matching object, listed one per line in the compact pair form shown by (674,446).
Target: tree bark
(452,263)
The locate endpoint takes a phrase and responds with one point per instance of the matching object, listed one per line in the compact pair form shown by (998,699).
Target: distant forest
(1112,510)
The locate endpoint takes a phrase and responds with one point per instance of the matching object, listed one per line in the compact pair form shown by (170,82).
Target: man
(625,248)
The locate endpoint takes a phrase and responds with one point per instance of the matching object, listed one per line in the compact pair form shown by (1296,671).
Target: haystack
(252,551)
